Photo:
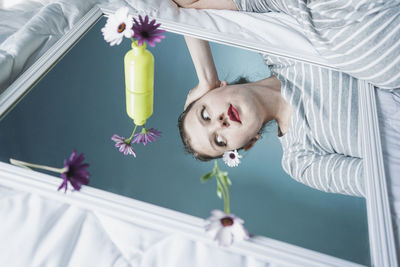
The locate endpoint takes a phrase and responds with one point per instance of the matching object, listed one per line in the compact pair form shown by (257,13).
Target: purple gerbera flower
(75,172)
(145,31)
(123,144)
(146,136)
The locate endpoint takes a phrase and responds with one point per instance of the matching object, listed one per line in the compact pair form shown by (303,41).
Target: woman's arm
(334,173)
(207,4)
(202,60)
(205,68)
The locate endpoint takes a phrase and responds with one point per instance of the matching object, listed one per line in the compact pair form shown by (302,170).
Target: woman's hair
(185,139)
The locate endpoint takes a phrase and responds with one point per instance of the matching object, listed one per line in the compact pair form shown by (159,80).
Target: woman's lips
(233,114)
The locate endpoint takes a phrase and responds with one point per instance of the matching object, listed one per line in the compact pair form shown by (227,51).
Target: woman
(321,142)
(325,133)
(317,124)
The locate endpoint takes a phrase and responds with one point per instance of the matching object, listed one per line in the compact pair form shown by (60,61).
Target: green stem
(134,42)
(225,187)
(144,130)
(223,191)
(225,194)
(227,200)
(43,167)
(128,141)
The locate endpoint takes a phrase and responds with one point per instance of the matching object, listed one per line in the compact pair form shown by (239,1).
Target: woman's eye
(204,114)
(219,141)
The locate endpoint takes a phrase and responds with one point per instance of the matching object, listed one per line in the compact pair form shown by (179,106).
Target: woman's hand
(201,89)
(207,4)
(185,3)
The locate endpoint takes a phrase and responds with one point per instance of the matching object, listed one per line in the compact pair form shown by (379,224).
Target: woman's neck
(274,106)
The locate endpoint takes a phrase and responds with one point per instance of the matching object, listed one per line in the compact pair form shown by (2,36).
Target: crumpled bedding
(276,31)
(28,30)
(38,231)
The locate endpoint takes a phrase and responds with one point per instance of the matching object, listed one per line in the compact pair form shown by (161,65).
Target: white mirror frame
(276,253)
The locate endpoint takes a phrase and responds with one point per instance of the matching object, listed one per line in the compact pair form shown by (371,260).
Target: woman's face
(225,118)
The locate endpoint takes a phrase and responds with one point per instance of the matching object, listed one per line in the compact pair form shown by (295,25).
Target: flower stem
(128,141)
(43,167)
(225,188)
(144,130)
(227,205)
(223,191)
(226,196)
(134,42)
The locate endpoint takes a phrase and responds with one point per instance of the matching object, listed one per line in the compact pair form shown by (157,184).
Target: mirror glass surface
(80,103)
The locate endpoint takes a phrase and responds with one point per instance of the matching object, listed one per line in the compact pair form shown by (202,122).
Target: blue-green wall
(80,104)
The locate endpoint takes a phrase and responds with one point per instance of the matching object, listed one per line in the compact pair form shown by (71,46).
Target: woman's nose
(223,120)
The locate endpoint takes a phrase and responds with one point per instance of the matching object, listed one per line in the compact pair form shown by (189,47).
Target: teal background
(80,104)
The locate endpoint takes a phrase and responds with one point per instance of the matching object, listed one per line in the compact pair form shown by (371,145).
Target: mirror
(80,104)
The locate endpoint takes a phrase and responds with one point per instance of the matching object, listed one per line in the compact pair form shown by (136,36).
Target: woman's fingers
(200,90)
(194,94)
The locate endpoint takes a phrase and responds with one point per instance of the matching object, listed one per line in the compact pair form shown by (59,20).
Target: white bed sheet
(29,29)
(38,231)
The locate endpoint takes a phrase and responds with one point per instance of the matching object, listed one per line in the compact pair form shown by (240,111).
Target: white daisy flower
(117,26)
(225,228)
(231,158)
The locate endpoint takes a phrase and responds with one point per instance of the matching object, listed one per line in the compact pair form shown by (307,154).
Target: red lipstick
(233,114)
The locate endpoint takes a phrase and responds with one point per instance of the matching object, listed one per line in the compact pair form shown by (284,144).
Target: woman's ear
(252,142)
(223,83)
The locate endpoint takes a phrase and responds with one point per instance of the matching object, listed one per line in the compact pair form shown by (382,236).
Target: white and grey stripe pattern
(360,37)
(321,148)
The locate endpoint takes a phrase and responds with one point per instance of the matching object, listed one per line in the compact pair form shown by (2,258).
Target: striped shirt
(359,37)
(322,148)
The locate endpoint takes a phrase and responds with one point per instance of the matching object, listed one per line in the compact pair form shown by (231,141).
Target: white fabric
(274,30)
(36,231)
(30,29)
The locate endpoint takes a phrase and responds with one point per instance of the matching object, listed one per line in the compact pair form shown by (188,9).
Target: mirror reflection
(280,114)
(316,111)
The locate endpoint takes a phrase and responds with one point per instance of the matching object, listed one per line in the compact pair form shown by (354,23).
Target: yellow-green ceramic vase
(139,83)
